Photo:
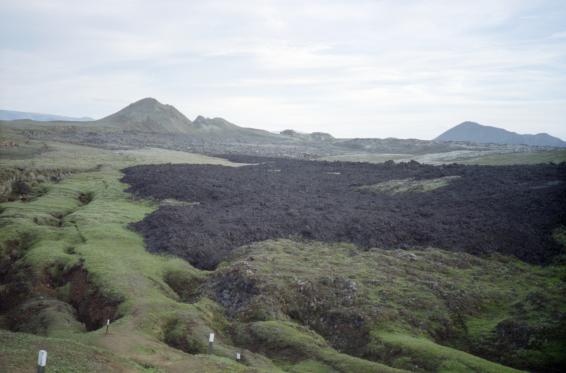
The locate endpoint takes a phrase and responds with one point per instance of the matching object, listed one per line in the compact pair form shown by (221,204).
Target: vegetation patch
(409,185)
(185,284)
(91,268)
(45,316)
(174,202)
(421,355)
(446,306)
(295,347)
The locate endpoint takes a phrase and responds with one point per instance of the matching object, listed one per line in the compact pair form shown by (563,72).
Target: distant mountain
(17,115)
(148,115)
(474,132)
(151,116)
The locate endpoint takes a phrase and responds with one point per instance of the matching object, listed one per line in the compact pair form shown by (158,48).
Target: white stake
(107,325)
(210,342)
(41,361)
(238,356)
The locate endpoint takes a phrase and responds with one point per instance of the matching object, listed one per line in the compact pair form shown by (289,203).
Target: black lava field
(506,209)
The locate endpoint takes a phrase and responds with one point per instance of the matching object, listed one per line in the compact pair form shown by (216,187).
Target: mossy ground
(59,230)
(18,353)
(409,185)
(62,233)
(422,309)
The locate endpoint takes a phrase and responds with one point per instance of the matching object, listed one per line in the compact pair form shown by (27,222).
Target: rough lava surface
(488,209)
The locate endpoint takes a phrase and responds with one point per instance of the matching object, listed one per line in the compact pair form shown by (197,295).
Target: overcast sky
(352,68)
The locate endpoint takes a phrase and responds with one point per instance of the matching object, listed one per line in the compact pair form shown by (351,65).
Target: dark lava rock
(510,210)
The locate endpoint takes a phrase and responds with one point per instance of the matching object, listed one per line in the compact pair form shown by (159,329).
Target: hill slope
(221,128)
(132,125)
(474,132)
(148,115)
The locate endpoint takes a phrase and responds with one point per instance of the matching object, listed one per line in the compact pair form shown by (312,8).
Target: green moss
(295,347)
(95,227)
(409,185)
(311,366)
(422,353)
(436,295)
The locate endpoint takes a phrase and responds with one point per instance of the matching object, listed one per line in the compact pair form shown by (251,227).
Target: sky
(353,68)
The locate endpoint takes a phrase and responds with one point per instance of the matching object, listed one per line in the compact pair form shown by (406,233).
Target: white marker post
(210,342)
(107,325)
(41,361)
(238,356)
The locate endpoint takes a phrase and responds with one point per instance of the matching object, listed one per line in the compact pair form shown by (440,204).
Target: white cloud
(354,68)
(558,35)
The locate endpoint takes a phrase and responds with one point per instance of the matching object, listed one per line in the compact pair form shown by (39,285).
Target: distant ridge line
(478,133)
(40,117)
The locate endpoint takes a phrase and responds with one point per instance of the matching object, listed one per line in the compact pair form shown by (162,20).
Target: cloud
(558,35)
(353,68)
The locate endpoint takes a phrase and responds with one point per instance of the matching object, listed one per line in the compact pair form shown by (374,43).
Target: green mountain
(148,115)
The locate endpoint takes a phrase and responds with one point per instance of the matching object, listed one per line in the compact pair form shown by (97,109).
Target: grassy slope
(113,255)
(96,235)
(420,295)
(447,359)
(18,353)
